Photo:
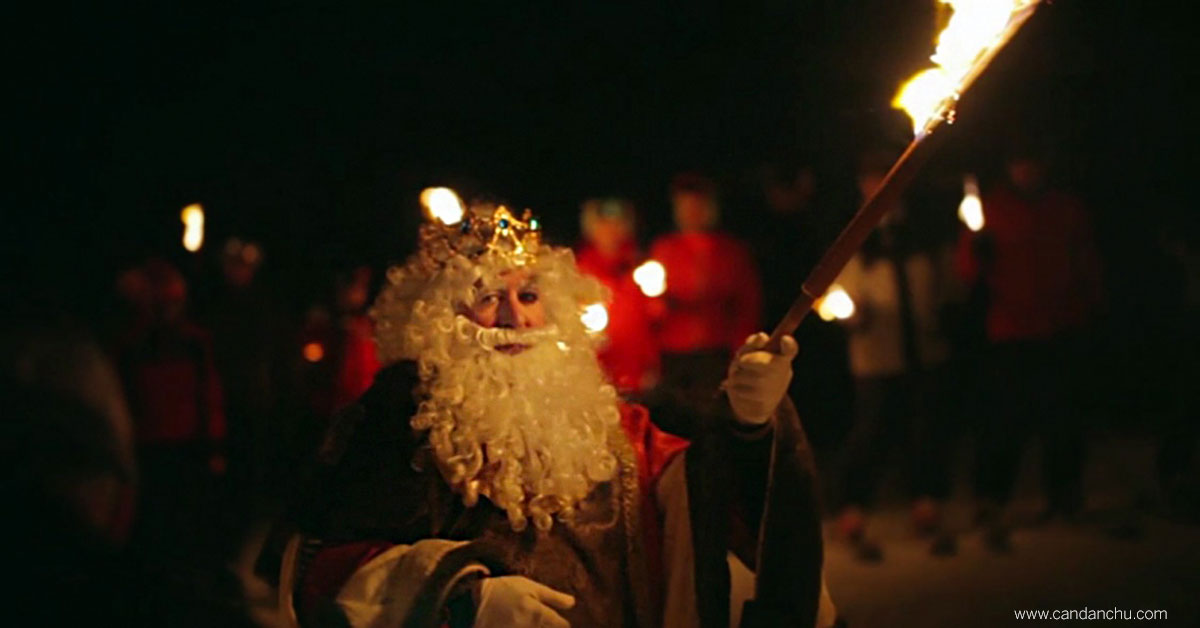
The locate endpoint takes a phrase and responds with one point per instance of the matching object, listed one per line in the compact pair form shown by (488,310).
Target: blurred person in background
(246,328)
(338,346)
(1176,460)
(788,235)
(610,253)
(175,398)
(713,297)
(899,284)
(788,229)
(1037,260)
(69,476)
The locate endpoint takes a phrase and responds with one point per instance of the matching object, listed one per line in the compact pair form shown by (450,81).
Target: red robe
(1039,263)
(631,355)
(714,294)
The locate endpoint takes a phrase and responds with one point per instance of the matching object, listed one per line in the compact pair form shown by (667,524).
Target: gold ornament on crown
(481,230)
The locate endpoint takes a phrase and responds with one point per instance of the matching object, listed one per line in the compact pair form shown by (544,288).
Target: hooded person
(492,476)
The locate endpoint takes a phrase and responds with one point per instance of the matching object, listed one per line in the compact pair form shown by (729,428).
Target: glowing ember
(193,227)
(314,352)
(970,210)
(835,305)
(595,318)
(651,277)
(976,28)
(442,204)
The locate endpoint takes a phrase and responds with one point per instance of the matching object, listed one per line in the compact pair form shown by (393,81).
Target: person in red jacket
(610,253)
(175,399)
(714,294)
(1036,260)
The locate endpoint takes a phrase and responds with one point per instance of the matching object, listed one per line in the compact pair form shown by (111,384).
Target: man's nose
(511,314)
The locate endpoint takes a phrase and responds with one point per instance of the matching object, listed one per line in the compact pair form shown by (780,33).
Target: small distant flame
(595,318)
(193,227)
(975,28)
(314,352)
(835,305)
(651,277)
(443,204)
(970,210)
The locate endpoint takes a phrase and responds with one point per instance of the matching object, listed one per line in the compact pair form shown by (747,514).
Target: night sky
(312,127)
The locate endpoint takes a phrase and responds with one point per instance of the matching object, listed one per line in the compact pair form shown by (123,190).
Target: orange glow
(193,227)
(314,352)
(976,28)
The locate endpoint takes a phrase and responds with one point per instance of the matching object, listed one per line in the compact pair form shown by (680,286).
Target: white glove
(758,379)
(518,601)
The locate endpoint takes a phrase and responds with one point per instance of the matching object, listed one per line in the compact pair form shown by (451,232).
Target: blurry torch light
(314,352)
(651,277)
(443,204)
(975,29)
(595,318)
(835,305)
(970,210)
(193,227)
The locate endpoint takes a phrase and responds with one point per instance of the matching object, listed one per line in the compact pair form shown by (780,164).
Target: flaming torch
(974,35)
(970,210)
(192,218)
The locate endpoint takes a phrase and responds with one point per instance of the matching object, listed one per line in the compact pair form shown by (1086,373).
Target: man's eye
(528,297)
(489,299)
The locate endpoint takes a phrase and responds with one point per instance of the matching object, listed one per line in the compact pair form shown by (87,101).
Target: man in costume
(492,477)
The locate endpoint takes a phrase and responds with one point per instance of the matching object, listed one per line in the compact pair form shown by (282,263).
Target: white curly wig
(528,431)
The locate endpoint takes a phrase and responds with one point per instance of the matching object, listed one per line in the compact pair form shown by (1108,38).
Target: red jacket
(714,294)
(631,354)
(173,387)
(1039,264)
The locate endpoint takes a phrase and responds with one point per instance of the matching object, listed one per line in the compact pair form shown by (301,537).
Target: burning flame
(975,28)
(595,318)
(314,352)
(836,304)
(193,227)
(970,210)
(651,277)
(443,204)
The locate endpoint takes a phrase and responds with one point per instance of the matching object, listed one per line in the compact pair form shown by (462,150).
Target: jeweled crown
(479,229)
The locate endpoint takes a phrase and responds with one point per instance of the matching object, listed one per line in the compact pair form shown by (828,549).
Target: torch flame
(443,204)
(970,210)
(651,277)
(193,227)
(976,28)
(836,304)
(595,317)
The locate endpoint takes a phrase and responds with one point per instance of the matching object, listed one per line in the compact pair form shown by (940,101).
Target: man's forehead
(513,277)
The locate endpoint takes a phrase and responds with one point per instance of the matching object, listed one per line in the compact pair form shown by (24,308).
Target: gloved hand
(758,379)
(518,601)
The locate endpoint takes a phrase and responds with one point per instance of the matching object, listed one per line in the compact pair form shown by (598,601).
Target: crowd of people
(213,398)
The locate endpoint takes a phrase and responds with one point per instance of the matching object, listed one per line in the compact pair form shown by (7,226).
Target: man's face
(693,211)
(513,303)
(608,234)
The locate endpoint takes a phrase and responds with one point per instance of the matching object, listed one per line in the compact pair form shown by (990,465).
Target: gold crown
(480,229)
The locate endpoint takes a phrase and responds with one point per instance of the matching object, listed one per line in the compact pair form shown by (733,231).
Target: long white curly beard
(528,431)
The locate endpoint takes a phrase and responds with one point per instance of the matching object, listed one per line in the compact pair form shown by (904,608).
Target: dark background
(312,127)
